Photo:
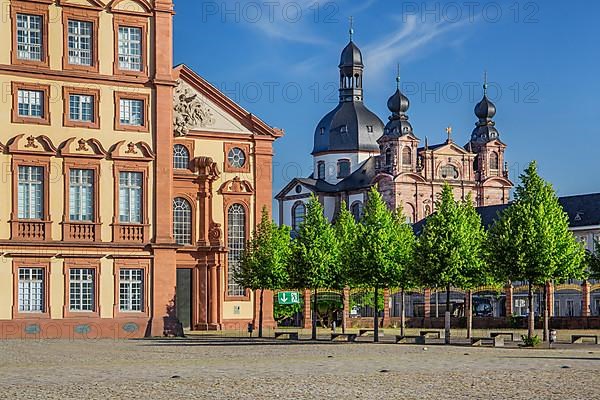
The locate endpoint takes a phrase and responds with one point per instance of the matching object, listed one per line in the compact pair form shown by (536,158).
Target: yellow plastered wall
(6,288)
(57,288)
(107,287)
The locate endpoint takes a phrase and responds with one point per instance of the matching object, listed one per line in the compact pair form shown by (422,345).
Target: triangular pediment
(450,148)
(94,4)
(291,189)
(199,106)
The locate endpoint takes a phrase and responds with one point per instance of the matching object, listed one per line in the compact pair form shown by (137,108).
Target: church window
(182,221)
(321,170)
(494,161)
(298,214)
(181,157)
(236,242)
(343,168)
(236,158)
(407,156)
(357,210)
(449,171)
(388,157)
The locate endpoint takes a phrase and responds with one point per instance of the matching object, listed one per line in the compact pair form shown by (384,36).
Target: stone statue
(190,111)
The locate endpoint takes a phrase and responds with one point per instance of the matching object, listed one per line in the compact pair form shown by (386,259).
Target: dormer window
(322,130)
(343,168)
(344,129)
(321,170)
(370,128)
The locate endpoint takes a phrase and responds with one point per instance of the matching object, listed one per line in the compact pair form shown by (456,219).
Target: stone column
(386,306)
(427,303)
(585,289)
(213,299)
(550,298)
(307,313)
(508,290)
(346,308)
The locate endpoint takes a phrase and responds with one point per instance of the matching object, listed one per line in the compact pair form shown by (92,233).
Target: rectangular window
(30,194)
(81,195)
(30,103)
(131,290)
(31,290)
(80,42)
(81,289)
(130,197)
(131,112)
(29,37)
(130,48)
(81,108)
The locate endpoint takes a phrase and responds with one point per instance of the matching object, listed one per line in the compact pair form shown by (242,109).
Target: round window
(236,157)
(298,189)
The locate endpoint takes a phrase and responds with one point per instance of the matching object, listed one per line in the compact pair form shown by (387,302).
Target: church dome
(351,56)
(349,127)
(485,109)
(398,104)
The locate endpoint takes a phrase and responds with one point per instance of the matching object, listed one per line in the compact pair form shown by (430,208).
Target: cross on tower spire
(485,83)
(351,30)
(398,77)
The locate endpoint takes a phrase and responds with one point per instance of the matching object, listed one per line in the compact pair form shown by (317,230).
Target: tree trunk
(376,317)
(447,316)
(260,314)
(343,312)
(546,315)
(531,317)
(402,313)
(314,316)
(469,314)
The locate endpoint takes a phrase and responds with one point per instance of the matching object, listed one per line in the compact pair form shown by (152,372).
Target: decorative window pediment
(124,150)
(130,6)
(90,148)
(23,144)
(236,186)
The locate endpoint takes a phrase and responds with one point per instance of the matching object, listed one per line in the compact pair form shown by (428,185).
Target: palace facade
(129,187)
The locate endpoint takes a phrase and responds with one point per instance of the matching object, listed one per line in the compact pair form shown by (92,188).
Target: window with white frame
(181,157)
(130,48)
(182,221)
(321,170)
(81,195)
(357,210)
(236,241)
(298,215)
(29,37)
(131,112)
(30,196)
(81,289)
(130,197)
(131,290)
(79,42)
(30,103)
(343,168)
(81,108)
(31,290)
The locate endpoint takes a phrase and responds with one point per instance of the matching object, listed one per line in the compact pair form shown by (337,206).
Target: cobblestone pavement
(232,368)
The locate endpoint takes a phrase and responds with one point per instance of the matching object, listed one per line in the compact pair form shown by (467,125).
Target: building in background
(129,187)
(354,150)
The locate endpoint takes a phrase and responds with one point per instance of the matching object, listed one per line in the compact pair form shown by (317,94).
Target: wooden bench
(496,334)
(292,335)
(579,338)
(497,341)
(350,337)
(362,332)
(402,339)
(437,334)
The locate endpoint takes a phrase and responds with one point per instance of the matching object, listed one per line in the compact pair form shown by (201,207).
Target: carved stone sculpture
(189,110)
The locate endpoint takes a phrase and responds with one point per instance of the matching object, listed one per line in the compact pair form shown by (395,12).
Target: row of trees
(529,242)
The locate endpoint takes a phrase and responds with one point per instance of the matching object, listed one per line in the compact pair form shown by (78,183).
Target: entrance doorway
(184,297)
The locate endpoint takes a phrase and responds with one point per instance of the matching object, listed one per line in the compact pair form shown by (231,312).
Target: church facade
(354,150)
(129,187)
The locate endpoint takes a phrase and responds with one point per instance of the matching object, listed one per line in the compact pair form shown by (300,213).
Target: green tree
(346,230)
(531,241)
(384,249)
(593,261)
(265,260)
(449,250)
(315,255)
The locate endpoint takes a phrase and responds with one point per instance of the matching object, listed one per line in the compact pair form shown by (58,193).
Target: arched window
(298,215)
(406,156)
(182,221)
(494,161)
(449,171)
(357,210)
(181,157)
(410,213)
(343,168)
(236,242)
(321,170)
(388,157)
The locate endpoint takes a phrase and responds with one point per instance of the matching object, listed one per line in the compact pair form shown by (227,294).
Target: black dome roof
(349,127)
(351,56)
(485,109)
(398,125)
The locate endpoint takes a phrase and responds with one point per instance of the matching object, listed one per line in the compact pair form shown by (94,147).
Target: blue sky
(278,59)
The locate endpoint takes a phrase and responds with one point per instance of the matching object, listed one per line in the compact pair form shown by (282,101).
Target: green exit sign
(286,298)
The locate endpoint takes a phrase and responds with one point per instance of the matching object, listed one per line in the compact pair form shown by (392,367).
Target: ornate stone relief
(190,111)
